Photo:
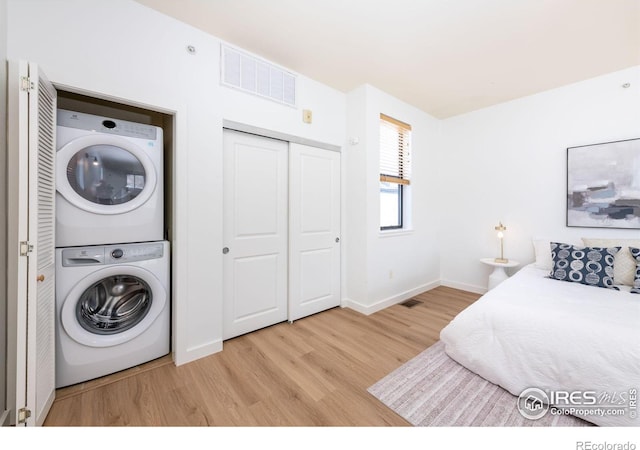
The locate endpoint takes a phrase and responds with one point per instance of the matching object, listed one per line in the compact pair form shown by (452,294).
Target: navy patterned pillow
(592,266)
(635,252)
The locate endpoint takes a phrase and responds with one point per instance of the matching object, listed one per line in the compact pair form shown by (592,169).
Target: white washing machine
(109,181)
(112,309)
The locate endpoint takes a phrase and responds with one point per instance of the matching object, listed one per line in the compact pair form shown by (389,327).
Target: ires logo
(534,403)
(574,398)
(633,403)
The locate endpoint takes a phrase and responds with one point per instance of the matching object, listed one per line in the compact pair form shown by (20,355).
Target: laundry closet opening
(114,229)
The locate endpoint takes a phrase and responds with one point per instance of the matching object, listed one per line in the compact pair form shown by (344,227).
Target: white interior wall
(122,50)
(3,207)
(396,265)
(354,188)
(508,163)
(327,105)
(501,163)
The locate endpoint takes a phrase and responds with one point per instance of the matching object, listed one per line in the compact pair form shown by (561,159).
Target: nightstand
(499,274)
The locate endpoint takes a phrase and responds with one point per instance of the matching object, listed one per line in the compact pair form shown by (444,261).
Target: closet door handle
(337,239)
(225,250)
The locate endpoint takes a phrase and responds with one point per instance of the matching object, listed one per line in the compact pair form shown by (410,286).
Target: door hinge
(25,248)
(26,84)
(23,415)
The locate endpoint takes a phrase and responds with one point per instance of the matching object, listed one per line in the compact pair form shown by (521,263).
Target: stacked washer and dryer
(112,264)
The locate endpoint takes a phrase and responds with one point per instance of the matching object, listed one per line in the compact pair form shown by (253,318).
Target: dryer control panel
(73,119)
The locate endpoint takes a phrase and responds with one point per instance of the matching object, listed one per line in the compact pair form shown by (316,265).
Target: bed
(534,331)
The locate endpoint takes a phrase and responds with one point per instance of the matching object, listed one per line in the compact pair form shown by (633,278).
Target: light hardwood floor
(314,372)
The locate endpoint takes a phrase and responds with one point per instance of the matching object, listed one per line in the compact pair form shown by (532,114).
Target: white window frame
(395,167)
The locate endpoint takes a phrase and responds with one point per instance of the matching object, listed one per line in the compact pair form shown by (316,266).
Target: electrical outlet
(390,274)
(307,116)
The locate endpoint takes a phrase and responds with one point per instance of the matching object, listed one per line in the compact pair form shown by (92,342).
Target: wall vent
(257,76)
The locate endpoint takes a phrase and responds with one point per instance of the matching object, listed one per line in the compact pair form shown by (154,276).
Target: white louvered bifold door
(17,233)
(31,243)
(41,272)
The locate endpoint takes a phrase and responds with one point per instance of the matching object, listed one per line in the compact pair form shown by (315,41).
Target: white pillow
(624,264)
(542,249)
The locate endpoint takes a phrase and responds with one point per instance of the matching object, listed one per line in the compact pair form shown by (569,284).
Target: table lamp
(500,229)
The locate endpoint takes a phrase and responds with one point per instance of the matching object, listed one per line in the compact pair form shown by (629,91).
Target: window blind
(395,151)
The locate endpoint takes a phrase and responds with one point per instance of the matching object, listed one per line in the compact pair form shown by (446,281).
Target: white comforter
(531,331)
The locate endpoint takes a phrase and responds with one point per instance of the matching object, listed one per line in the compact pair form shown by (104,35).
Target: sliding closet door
(314,230)
(255,232)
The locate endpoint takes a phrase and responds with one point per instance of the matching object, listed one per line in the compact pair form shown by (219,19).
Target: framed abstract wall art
(603,185)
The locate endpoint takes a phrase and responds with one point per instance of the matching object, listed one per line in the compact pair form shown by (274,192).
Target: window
(395,170)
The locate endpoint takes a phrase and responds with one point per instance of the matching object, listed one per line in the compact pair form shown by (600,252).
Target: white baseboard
(47,406)
(198,352)
(464,287)
(390,301)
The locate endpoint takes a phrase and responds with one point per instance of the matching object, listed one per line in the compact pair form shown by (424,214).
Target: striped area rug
(434,390)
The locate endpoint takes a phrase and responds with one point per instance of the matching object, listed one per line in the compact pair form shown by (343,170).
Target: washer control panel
(112,254)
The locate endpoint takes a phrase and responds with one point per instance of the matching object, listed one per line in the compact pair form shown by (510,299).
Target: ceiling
(446,57)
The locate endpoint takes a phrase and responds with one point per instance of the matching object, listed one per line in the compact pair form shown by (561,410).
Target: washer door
(112,306)
(104,174)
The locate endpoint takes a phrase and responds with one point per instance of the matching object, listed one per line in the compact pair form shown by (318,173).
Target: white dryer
(112,309)
(109,181)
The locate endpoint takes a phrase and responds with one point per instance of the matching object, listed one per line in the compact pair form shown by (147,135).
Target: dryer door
(104,174)
(112,306)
